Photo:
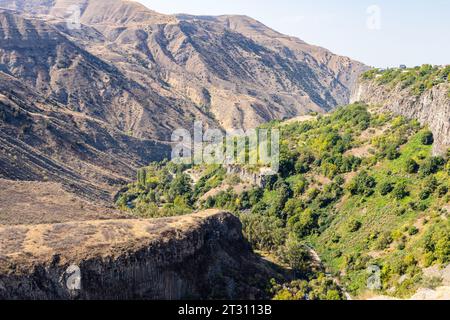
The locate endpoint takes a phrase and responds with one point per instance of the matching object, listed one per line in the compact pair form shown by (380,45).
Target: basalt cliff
(431,108)
(200,256)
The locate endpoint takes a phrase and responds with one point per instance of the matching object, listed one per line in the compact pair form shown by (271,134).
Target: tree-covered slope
(358,187)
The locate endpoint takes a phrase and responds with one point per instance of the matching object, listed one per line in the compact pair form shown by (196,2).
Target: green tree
(386,188)
(180,186)
(295,255)
(412,166)
(427,138)
(362,184)
(401,191)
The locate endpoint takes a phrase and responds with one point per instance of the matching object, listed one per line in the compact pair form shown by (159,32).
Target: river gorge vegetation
(358,188)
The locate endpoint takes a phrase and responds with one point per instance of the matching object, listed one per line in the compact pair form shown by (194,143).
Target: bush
(425,194)
(427,138)
(400,212)
(384,241)
(392,153)
(432,166)
(442,191)
(318,288)
(413,231)
(354,226)
(437,244)
(386,188)
(362,184)
(401,191)
(412,166)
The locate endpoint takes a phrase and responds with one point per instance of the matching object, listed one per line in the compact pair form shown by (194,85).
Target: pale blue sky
(410,32)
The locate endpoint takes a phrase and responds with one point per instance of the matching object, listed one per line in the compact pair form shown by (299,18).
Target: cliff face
(198,256)
(431,108)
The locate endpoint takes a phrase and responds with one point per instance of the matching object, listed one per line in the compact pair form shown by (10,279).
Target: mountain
(209,64)
(86,102)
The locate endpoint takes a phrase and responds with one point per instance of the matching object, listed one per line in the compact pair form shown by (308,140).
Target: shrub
(432,184)
(427,138)
(437,244)
(401,191)
(412,166)
(362,184)
(392,153)
(354,226)
(384,241)
(425,194)
(432,166)
(442,191)
(386,188)
(413,231)
(339,180)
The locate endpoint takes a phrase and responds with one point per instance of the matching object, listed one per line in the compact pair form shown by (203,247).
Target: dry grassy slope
(31,202)
(78,241)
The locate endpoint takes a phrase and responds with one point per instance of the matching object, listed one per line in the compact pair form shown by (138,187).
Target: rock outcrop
(431,108)
(201,256)
(258,178)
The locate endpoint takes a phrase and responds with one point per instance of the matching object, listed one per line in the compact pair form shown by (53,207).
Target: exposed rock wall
(202,256)
(432,108)
(260,178)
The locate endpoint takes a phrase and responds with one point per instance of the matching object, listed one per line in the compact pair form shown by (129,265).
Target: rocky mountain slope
(429,103)
(205,65)
(42,140)
(132,259)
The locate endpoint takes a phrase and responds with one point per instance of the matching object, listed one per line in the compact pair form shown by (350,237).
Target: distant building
(402,66)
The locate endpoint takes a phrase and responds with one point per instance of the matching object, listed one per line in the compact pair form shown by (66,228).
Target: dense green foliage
(418,79)
(361,188)
(319,287)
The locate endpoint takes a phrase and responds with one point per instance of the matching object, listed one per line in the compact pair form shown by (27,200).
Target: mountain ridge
(131,76)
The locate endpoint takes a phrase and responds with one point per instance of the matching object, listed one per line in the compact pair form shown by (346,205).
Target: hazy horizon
(379,34)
